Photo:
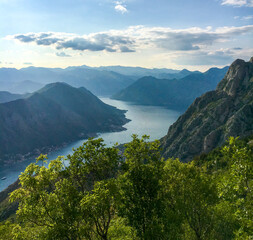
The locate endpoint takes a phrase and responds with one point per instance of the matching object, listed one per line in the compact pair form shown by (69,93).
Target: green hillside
(137,192)
(134,195)
(56,114)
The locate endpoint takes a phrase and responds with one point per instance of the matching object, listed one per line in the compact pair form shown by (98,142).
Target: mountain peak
(52,116)
(215,116)
(185,71)
(53,86)
(238,77)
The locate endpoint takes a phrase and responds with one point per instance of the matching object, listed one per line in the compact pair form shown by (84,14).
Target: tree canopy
(105,193)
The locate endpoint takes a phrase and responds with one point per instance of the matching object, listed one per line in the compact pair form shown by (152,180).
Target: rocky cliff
(216,115)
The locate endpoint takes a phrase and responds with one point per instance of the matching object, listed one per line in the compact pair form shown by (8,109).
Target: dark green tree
(191,197)
(236,183)
(99,206)
(140,187)
(59,201)
(101,194)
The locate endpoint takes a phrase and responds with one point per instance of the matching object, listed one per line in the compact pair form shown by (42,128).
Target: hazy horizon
(101,66)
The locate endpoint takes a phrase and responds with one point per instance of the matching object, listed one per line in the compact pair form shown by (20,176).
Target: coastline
(9,159)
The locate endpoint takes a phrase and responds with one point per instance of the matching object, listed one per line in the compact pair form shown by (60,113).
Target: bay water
(150,120)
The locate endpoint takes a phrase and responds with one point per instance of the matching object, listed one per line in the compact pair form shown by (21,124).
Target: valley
(151,120)
(188,169)
(126,120)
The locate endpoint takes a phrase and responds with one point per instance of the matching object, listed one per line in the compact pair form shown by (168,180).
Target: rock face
(215,116)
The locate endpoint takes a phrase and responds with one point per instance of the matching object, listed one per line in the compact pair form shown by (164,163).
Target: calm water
(150,120)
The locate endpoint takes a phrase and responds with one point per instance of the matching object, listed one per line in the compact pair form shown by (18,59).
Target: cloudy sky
(193,34)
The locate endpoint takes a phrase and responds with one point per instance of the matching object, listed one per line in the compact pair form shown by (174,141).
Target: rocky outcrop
(213,117)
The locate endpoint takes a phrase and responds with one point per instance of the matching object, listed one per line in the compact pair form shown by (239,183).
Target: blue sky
(193,34)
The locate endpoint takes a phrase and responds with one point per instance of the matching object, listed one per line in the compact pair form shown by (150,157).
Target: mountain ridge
(101,81)
(214,116)
(171,93)
(51,117)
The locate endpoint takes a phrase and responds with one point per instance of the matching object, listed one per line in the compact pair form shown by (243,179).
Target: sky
(176,34)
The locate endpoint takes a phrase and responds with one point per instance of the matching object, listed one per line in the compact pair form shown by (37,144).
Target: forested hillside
(135,191)
(52,116)
(135,195)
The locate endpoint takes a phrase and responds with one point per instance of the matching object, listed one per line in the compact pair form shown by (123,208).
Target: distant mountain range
(171,93)
(215,116)
(7,97)
(138,72)
(101,81)
(54,115)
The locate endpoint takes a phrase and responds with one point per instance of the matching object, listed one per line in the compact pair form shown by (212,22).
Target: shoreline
(9,159)
(46,150)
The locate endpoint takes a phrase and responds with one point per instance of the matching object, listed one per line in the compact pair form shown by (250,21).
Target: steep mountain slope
(56,114)
(216,115)
(176,93)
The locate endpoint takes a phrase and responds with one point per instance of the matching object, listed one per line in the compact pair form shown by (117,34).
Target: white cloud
(238,3)
(216,57)
(189,46)
(62,54)
(136,38)
(249,17)
(120,7)
(244,18)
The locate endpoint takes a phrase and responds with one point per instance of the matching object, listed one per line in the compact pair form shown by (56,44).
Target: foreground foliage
(104,194)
